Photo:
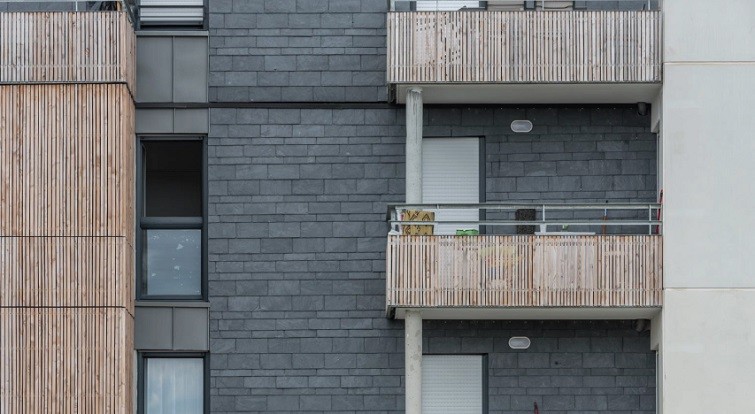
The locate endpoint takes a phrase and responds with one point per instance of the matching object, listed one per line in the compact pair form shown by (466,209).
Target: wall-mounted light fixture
(521,126)
(519,342)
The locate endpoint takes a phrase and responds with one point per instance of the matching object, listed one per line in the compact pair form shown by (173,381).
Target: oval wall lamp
(521,126)
(519,342)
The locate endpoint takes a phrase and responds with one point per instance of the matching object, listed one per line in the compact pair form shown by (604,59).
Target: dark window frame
(485,374)
(144,223)
(142,375)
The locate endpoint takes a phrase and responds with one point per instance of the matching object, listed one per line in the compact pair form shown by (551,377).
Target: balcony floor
(539,313)
(531,93)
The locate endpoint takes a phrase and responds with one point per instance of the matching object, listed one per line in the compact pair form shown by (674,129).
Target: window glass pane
(174,262)
(174,385)
(172,178)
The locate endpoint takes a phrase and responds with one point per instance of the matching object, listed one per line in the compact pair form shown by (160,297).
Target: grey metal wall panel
(154,121)
(190,69)
(172,67)
(154,69)
(191,121)
(152,328)
(190,329)
(172,326)
(172,121)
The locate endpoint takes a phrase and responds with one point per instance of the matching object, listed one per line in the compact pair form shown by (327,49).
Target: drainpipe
(414,146)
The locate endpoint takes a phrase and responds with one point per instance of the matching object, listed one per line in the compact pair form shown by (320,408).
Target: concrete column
(413,361)
(414,146)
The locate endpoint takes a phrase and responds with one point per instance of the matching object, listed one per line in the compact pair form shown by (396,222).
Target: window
(172,383)
(454,384)
(172,219)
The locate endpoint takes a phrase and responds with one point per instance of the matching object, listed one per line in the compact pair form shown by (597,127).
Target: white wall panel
(708,174)
(709,30)
(708,351)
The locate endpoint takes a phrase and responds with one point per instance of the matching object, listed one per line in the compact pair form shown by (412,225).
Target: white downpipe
(413,361)
(414,146)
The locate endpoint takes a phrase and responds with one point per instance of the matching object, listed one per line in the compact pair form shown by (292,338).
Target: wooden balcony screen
(67,47)
(529,47)
(66,360)
(524,271)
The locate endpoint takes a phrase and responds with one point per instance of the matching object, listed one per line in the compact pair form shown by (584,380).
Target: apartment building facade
(370,206)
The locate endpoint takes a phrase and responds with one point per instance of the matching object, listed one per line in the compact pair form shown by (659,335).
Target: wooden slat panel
(66,212)
(515,46)
(67,160)
(66,360)
(54,47)
(66,271)
(524,271)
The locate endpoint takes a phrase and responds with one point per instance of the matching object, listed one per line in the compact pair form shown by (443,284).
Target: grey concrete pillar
(414,146)
(413,361)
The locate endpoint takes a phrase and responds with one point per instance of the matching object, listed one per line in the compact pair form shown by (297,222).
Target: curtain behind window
(174,386)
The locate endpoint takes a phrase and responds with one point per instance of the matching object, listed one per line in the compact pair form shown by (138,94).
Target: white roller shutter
(452,384)
(451,174)
(171,12)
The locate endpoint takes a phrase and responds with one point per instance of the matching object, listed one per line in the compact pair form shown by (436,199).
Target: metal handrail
(129,6)
(530,5)
(653,218)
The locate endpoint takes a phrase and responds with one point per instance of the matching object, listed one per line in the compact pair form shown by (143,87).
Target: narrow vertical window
(172,219)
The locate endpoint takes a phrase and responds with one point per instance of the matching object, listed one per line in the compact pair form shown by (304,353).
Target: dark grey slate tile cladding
(297,50)
(297,201)
(571,366)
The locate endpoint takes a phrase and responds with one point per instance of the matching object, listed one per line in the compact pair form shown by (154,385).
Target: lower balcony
(585,271)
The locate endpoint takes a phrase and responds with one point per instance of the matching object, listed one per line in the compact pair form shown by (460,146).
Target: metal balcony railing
(518,5)
(128,6)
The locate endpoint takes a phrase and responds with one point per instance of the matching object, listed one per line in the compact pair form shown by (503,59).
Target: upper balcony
(558,261)
(67,43)
(504,51)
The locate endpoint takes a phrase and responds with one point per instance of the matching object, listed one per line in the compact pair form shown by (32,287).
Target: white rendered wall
(707,342)
(708,351)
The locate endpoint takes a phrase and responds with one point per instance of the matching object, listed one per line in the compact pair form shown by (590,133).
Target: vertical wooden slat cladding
(67,159)
(66,360)
(66,271)
(524,271)
(67,47)
(529,46)
(66,212)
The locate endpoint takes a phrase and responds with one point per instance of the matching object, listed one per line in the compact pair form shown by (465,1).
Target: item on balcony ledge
(417,229)
(525,214)
(468,232)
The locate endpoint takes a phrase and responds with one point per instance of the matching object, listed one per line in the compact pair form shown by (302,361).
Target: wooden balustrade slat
(67,47)
(515,46)
(523,271)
